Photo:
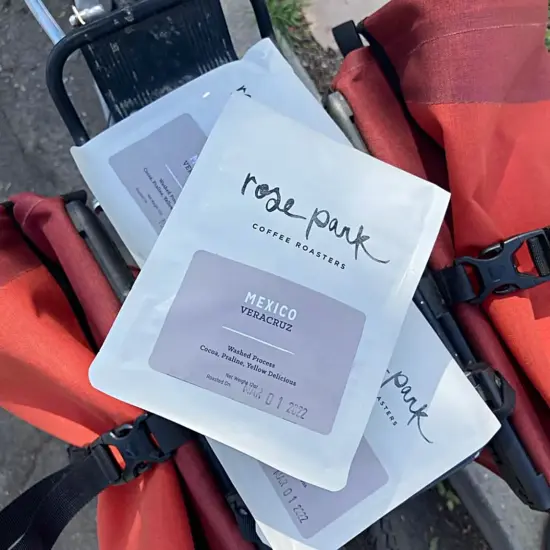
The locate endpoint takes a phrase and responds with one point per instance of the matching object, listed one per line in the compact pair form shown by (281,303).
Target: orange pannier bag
(458,93)
(57,308)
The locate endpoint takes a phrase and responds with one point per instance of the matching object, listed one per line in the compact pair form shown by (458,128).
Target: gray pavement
(323,15)
(506,522)
(34,156)
(34,144)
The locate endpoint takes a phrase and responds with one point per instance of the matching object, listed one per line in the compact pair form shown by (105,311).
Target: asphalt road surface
(34,156)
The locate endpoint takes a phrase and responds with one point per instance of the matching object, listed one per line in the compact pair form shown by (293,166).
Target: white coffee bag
(267,312)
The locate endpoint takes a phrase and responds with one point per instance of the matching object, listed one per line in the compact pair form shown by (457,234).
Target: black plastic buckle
(496,270)
(135,444)
(497,392)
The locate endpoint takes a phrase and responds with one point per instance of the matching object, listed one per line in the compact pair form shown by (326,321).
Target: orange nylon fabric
(475,77)
(503,196)
(44,361)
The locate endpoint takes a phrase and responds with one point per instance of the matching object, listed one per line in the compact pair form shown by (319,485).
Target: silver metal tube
(45,20)
(55,34)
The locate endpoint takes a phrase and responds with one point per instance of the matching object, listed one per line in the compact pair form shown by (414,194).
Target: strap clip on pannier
(495,271)
(497,392)
(137,446)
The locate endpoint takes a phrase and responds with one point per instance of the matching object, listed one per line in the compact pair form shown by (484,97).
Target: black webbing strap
(35,519)
(495,271)
(16,517)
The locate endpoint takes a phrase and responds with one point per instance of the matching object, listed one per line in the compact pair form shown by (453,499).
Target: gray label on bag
(260,340)
(155,169)
(311,508)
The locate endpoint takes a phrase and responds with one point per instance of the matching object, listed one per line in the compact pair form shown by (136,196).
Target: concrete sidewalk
(323,15)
